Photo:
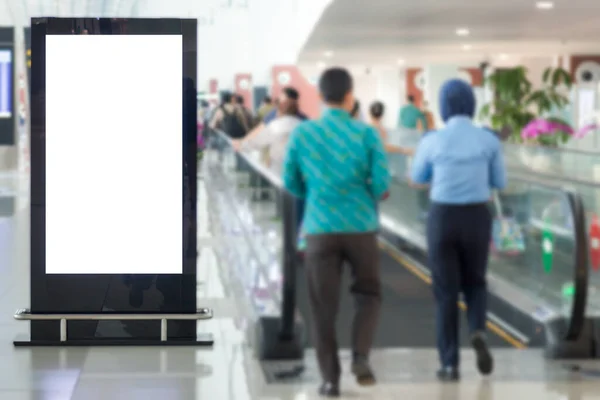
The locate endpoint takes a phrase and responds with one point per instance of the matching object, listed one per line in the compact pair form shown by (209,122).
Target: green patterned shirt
(339,166)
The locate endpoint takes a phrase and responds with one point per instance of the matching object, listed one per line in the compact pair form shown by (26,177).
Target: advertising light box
(114,154)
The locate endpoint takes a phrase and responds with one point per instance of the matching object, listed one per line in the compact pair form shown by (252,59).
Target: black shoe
(363,372)
(448,374)
(485,361)
(329,389)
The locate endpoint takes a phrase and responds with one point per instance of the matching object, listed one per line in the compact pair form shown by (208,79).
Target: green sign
(547,248)
(568,290)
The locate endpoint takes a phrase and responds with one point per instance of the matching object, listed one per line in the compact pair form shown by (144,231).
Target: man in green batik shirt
(410,115)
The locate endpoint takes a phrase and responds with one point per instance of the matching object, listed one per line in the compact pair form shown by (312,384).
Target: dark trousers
(458,240)
(299,216)
(325,256)
(299,211)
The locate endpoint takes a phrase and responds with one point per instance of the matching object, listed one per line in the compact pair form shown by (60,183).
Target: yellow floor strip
(425,278)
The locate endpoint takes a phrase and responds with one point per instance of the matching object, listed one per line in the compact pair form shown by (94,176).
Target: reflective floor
(229,371)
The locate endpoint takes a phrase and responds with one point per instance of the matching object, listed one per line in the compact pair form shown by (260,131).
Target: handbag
(507,235)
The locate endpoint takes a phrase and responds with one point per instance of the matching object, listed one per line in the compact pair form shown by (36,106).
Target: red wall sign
(290,75)
(243,87)
(595,243)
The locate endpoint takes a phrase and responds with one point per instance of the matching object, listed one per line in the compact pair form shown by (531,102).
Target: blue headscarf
(456,98)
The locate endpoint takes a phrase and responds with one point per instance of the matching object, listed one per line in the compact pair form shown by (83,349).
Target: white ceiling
(384,31)
(19,12)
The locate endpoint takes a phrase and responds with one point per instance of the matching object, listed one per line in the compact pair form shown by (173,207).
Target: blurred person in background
(204,114)
(410,115)
(203,109)
(274,136)
(229,117)
(287,94)
(463,164)
(398,164)
(339,166)
(265,108)
(376,113)
(239,99)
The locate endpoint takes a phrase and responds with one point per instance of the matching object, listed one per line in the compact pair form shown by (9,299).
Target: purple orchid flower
(539,127)
(585,130)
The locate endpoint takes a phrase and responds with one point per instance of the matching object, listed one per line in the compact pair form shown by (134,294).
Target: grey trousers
(324,258)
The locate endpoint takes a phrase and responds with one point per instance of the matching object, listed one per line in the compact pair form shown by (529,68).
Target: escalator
(525,291)
(528,284)
(407,312)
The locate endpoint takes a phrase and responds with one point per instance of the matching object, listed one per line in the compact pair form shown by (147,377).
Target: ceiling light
(467,47)
(462,32)
(544,5)
(503,56)
(321,64)
(328,54)
(401,62)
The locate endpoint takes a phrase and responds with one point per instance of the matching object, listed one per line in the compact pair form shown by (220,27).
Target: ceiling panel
(361,31)
(19,12)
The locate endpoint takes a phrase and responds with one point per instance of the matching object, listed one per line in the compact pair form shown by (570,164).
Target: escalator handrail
(523,176)
(580,268)
(548,177)
(256,165)
(534,174)
(562,150)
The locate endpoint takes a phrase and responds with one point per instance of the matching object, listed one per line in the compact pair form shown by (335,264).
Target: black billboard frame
(113,293)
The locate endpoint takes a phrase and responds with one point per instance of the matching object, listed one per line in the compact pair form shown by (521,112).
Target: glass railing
(567,163)
(539,207)
(250,214)
(531,251)
(532,240)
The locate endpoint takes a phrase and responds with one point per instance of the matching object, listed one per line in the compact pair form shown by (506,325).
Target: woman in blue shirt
(462,163)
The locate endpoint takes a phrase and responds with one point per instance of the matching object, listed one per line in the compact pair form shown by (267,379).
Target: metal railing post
(290,231)
(63,330)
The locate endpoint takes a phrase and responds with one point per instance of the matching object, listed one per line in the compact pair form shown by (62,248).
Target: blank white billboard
(114,154)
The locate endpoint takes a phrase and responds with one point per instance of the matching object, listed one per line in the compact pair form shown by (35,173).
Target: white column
(435,76)
(389,90)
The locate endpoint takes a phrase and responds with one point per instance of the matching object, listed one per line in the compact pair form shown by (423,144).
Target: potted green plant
(520,108)
(516,102)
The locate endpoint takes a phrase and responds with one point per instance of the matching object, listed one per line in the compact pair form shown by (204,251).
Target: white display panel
(114,185)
